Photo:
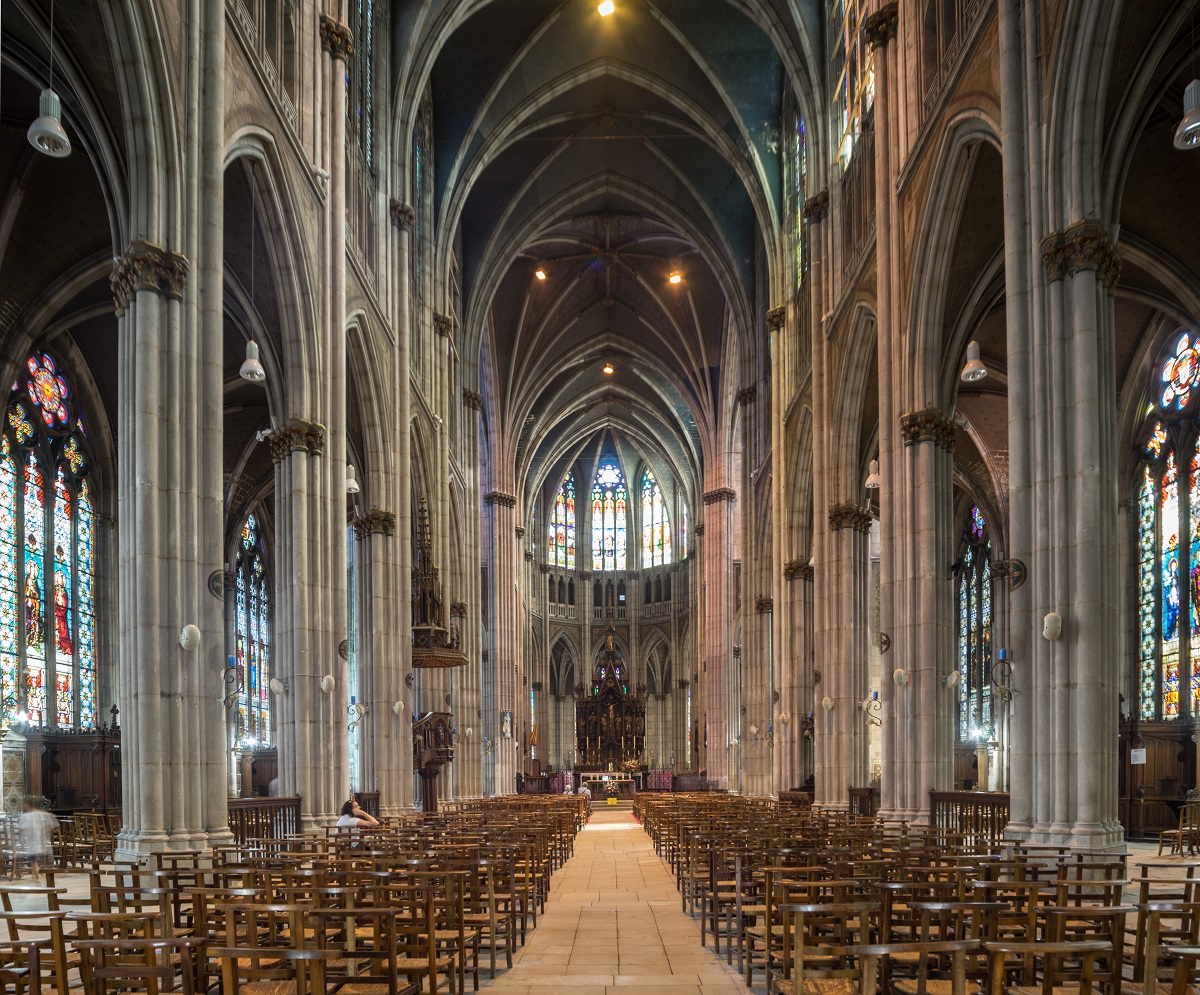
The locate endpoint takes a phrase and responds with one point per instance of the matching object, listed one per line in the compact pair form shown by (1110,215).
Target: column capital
(296,435)
(443,324)
(146,266)
(472,399)
(529,555)
(374,522)
(336,38)
(500,498)
(816,208)
(1083,246)
(880,27)
(797,569)
(699,529)
(458,609)
(849,516)
(764,605)
(928,425)
(776,317)
(719,494)
(746,396)
(402,214)
(520,531)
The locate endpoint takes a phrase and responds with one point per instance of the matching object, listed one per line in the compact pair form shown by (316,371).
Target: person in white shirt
(587,793)
(355,817)
(36,825)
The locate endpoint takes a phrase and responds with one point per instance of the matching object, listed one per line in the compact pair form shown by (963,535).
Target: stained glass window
(800,193)
(1168,540)
(360,77)
(656,524)
(561,551)
(252,628)
(684,538)
(975,632)
(852,73)
(609,507)
(47,555)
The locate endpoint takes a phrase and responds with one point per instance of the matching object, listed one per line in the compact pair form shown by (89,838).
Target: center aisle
(613,924)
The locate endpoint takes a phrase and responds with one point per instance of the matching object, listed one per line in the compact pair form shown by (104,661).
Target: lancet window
(47,554)
(852,74)
(975,632)
(252,626)
(656,524)
(610,500)
(1167,486)
(562,525)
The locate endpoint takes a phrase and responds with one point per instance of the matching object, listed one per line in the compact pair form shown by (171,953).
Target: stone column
(922,711)
(385,735)
(717,671)
(174,788)
(310,722)
(468,705)
(503,549)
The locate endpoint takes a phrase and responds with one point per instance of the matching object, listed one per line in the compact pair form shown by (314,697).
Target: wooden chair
(47,926)
(817,948)
(926,959)
(278,970)
(1186,834)
(143,965)
(1069,968)
(366,939)
(21,966)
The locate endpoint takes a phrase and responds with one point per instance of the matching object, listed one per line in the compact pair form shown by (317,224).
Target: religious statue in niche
(506,726)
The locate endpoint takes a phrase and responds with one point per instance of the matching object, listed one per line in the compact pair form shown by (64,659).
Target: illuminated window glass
(609,510)
(561,550)
(852,74)
(252,637)
(47,554)
(975,632)
(656,525)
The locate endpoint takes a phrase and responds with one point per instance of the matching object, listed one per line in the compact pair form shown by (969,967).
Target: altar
(626,784)
(610,723)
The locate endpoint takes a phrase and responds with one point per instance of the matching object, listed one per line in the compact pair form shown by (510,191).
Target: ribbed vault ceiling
(608,151)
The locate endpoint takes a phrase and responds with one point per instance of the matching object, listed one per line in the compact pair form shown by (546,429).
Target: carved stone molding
(458,609)
(807,573)
(683,684)
(719,494)
(500,498)
(336,38)
(928,425)
(699,530)
(849,516)
(585,575)
(1083,246)
(745,396)
(403,215)
(537,686)
(443,324)
(146,266)
(763,605)
(529,555)
(520,531)
(296,435)
(816,208)
(375,522)
(797,568)
(546,568)
(472,399)
(775,317)
(880,27)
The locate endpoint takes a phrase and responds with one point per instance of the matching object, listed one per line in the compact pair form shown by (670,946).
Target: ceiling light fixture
(973,369)
(676,277)
(606,8)
(47,134)
(873,476)
(1187,135)
(252,369)
(540,273)
(351,480)
(608,367)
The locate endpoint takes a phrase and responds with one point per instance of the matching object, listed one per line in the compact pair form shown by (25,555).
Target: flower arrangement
(610,788)
(631,766)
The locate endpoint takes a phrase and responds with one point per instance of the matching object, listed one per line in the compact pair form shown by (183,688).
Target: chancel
(438,401)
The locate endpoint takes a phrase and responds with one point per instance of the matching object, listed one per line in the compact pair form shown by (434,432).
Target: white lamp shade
(327,683)
(827,703)
(189,638)
(900,676)
(754,730)
(784,718)
(873,476)
(973,369)
(252,369)
(1187,135)
(398,707)
(351,480)
(46,134)
(952,679)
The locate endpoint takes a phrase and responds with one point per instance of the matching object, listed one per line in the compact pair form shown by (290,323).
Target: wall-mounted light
(827,703)
(351,481)
(973,369)
(754,731)
(252,369)
(784,718)
(398,707)
(278,686)
(900,676)
(189,638)
(952,679)
(1052,626)
(872,483)
(327,683)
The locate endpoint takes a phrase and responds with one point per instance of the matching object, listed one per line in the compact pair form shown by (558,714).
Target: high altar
(610,723)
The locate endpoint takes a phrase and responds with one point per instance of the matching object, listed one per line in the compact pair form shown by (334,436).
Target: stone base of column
(133,846)
(1083,836)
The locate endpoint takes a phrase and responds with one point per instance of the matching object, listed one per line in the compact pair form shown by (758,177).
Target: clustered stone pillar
(503,551)
(717,725)
(468,705)
(841,742)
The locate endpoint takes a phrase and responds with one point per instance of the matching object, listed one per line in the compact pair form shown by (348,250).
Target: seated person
(354,817)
